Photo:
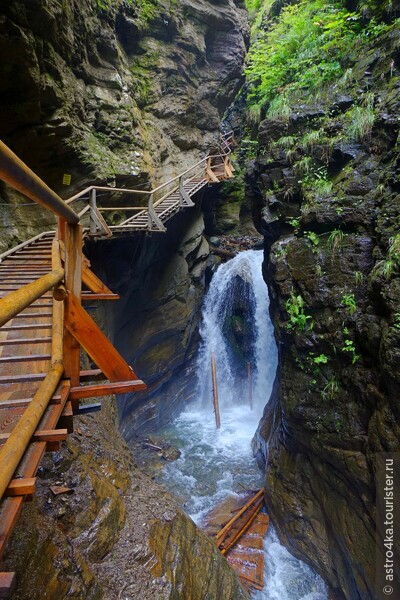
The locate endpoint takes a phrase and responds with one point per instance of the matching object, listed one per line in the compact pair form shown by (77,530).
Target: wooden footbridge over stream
(44,325)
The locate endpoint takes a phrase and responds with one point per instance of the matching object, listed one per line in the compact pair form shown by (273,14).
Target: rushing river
(215,464)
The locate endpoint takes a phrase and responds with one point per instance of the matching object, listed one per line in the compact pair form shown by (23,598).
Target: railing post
(73,283)
(184,198)
(227,168)
(92,201)
(153,217)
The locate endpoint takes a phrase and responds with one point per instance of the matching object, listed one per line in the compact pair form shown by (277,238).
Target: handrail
(17,174)
(146,192)
(16,301)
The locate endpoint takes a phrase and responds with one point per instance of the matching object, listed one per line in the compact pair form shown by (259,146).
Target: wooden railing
(151,199)
(72,327)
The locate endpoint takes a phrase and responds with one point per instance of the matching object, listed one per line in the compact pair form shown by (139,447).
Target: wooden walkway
(151,209)
(44,326)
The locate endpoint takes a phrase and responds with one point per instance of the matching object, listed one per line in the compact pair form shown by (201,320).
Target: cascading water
(217,463)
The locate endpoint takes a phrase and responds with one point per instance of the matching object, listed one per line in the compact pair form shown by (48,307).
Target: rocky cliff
(161,282)
(325,192)
(126,93)
(114,533)
(129,91)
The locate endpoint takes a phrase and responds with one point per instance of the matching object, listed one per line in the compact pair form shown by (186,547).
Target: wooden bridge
(44,326)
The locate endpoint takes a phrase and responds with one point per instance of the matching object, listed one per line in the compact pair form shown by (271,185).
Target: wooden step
(26,358)
(26,327)
(21,402)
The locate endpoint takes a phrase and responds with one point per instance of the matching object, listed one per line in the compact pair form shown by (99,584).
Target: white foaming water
(217,463)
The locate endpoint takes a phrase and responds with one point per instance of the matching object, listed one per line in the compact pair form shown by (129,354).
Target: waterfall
(220,298)
(217,463)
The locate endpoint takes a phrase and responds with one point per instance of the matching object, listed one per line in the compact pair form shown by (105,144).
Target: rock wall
(116,534)
(161,282)
(327,201)
(126,91)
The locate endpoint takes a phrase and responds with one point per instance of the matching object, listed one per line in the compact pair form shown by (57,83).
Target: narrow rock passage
(215,464)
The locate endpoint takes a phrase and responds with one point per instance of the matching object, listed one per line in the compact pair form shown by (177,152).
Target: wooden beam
(26,327)
(45,435)
(91,296)
(7,584)
(20,402)
(27,358)
(95,343)
(22,341)
(32,315)
(21,487)
(92,375)
(94,391)
(91,281)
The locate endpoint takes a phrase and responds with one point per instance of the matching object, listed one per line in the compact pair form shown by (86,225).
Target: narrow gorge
(286,270)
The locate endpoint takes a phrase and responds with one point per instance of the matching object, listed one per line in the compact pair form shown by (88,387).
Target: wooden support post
(92,201)
(211,176)
(184,198)
(250,385)
(215,391)
(73,284)
(95,343)
(153,220)
(227,168)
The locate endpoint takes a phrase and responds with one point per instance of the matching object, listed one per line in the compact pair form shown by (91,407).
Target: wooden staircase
(44,326)
(152,209)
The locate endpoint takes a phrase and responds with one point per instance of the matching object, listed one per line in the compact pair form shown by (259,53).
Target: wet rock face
(124,92)
(332,267)
(155,323)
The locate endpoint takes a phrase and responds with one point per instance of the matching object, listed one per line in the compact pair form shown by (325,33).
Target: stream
(217,463)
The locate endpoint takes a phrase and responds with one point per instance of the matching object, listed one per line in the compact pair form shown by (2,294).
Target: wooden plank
(94,391)
(22,378)
(7,584)
(20,402)
(32,315)
(92,375)
(11,507)
(45,435)
(225,530)
(26,327)
(95,343)
(26,358)
(23,341)
(21,487)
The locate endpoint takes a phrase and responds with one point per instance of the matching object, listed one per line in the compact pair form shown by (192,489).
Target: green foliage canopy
(306,47)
